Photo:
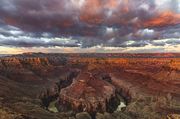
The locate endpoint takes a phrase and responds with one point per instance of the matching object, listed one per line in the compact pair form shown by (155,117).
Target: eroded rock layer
(87,93)
(34,86)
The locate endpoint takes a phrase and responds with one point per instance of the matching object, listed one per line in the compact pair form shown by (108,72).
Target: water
(121,106)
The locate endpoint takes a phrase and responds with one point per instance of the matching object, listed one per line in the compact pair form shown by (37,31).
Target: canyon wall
(29,83)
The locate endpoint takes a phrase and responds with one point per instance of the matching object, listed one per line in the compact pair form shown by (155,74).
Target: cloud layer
(89,23)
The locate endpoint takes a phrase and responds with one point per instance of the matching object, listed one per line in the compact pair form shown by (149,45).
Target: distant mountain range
(3,55)
(99,55)
(106,55)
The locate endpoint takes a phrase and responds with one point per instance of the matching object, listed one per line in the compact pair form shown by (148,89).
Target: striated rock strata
(87,93)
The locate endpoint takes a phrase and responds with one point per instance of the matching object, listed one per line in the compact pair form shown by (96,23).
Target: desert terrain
(90,86)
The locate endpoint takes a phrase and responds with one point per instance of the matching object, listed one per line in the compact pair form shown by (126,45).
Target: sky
(87,26)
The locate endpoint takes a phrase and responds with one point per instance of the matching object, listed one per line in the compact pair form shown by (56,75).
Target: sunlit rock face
(35,85)
(87,93)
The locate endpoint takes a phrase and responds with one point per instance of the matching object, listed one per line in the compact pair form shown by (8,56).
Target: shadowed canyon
(90,86)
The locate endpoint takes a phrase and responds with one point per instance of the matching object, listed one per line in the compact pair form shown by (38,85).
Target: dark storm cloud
(13,36)
(88,22)
(25,41)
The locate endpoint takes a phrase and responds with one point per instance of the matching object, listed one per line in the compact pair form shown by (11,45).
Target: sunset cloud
(89,23)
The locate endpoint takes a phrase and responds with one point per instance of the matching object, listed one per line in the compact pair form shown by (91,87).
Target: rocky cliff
(87,93)
(33,85)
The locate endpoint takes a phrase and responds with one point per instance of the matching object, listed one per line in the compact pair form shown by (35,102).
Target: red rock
(87,93)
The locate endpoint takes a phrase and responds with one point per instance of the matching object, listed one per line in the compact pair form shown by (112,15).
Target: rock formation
(87,93)
(73,83)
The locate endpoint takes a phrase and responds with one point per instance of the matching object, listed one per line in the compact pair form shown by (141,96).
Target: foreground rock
(87,93)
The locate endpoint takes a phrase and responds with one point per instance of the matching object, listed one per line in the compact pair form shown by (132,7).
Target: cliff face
(149,86)
(87,93)
(33,68)
(146,83)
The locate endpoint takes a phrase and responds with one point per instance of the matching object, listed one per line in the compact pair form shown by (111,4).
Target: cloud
(10,30)
(163,42)
(13,36)
(88,23)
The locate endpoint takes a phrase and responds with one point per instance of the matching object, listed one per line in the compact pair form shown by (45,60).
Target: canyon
(90,86)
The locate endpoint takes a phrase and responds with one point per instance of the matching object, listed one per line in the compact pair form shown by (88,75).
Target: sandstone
(87,93)
(86,82)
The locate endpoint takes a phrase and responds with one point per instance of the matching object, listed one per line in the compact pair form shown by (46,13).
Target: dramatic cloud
(89,23)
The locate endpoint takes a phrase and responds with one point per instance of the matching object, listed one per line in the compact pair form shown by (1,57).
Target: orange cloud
(91,12)
(10,20)
(165,18)
(125,8)
(111,4)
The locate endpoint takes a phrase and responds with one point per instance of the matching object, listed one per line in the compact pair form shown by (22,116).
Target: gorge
(80,86)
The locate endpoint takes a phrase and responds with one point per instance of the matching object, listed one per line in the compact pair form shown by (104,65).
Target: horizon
(91,53)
